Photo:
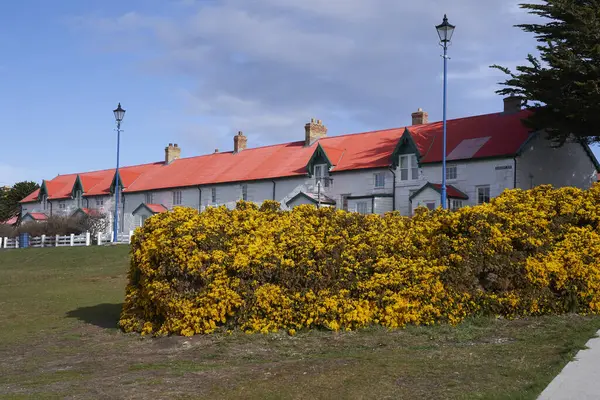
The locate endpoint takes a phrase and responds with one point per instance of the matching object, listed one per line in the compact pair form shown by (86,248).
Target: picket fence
(85,239)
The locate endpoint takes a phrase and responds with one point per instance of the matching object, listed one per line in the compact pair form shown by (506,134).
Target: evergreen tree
(10,198)
(562,86)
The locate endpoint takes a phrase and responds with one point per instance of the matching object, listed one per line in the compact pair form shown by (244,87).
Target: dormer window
(321,173)
(409,168)
(78,195)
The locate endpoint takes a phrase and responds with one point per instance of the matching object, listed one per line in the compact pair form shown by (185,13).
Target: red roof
(89,211)
(467,138)
(10,221)
(156,208)
(483,136)
(38,216)
(451,191)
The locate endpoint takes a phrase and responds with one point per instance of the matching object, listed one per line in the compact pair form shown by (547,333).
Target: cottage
(370,172)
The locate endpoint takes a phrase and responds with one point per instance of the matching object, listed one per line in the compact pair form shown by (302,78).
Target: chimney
(216,150)
(314,130)
(420,117)
(512,104)
(239,142)
(172,153)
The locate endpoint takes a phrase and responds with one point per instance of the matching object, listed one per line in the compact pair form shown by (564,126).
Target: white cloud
(267,66)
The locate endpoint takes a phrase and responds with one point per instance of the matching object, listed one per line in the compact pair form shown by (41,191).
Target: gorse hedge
(262,270)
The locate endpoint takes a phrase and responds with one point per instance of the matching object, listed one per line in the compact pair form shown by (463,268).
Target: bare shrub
(7,231)
(59,225)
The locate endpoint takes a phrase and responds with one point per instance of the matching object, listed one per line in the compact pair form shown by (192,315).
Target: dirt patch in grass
(60,340)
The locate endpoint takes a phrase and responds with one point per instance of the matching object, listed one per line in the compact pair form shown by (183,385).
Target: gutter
(123,214)
(515,174)
(199,198)
(393,190)
(274,183)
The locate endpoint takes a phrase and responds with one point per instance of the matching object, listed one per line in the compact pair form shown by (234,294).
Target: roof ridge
(105,169)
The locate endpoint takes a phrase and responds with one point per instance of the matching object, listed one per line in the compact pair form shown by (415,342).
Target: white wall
(383,205)
(299,201)
(428,195)
(498,173)
(541,164)
(137,218)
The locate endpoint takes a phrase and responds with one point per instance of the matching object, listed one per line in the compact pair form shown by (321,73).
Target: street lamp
(445,31)
(119,114)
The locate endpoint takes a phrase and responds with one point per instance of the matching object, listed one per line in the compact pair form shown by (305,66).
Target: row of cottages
(371,172)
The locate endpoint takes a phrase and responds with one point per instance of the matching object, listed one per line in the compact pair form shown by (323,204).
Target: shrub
(62,225)
(7,231)
(262,270)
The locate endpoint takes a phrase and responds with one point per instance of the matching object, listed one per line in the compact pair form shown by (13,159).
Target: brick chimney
(315,130)
(239,142)
(172,153)
(512,104)
(420,117)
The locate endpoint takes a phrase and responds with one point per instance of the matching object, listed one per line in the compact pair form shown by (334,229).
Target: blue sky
(195,72)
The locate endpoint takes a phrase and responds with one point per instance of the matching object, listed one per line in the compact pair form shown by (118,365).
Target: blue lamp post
(445,31)
(119,114)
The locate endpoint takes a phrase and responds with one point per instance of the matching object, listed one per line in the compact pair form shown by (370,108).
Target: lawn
(59,309)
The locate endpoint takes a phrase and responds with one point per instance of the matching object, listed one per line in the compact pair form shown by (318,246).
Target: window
(177,198)
(483,194)
(361,207)
(213,195)
(149,198)
(78,198)
(409,168)
(451,172)
(380,180)
(322,174)
(44,202)
(430,205)
(455,204)
(62,205)
(245,192)
(99,202)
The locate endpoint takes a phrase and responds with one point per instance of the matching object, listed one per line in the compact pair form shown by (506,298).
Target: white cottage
(370,172)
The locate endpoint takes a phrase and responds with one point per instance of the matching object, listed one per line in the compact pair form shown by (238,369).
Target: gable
(451,191)
(149,209)
(318,157)
(77,186)
(43,191)
(406,145)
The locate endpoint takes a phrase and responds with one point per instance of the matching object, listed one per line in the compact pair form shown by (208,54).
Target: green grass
(59,309)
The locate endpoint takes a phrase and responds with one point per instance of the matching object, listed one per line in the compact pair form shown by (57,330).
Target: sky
(195,72)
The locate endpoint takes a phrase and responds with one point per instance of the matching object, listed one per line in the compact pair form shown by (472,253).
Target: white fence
(9,243)
(103,238)
(72,240)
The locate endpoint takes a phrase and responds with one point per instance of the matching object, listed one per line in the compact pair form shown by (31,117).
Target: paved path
(580,379)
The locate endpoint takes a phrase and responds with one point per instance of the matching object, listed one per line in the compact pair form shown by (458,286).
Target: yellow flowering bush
(263,270)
